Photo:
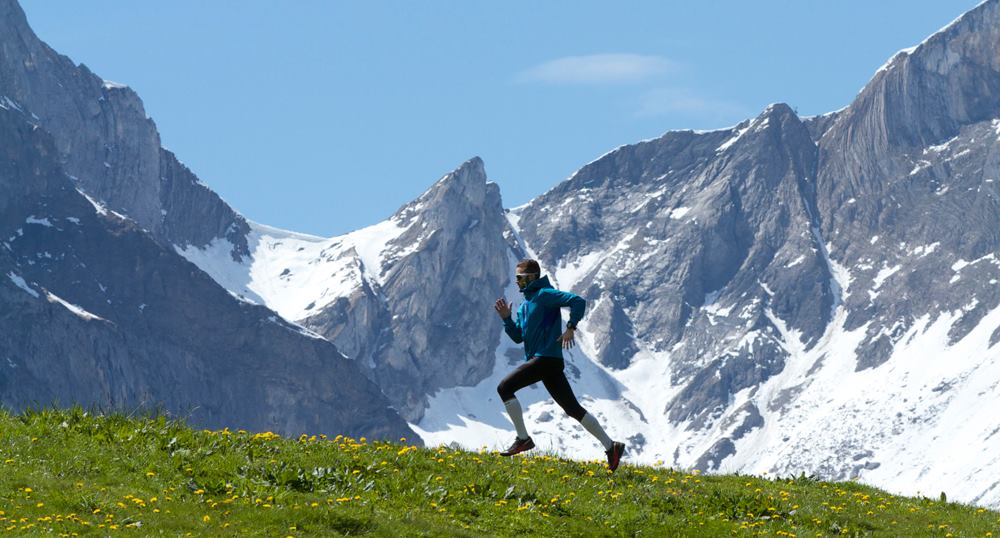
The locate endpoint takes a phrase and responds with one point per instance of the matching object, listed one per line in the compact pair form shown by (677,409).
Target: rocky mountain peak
(474,165)
(777,110)
(778,130)
(462,190)
(107,144)
(912,101)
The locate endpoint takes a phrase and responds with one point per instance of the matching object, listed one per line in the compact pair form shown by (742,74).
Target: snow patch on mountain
(42,221)
(795,262)
(76,310)
(927,430)
(733,139)
(566,276)
(7,103)
(20,282)
(112,85)
(298,274)
(881,277)
(98,207)
(678,213)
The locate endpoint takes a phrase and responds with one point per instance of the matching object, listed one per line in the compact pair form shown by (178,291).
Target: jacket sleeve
(513,329)
(577,305)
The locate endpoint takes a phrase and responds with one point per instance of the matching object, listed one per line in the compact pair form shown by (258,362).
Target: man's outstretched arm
(510,327)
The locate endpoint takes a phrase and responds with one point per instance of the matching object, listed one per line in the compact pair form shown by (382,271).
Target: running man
(538,325)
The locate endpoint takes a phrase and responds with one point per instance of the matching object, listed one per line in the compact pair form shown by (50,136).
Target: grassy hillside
(70,473)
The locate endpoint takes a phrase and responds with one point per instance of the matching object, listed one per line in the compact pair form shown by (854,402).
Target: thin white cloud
(598,69)
(665,101)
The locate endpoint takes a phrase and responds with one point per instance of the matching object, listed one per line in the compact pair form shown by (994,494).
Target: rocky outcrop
(424,320)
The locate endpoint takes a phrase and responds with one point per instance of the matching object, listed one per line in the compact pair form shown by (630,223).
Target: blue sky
(323,117)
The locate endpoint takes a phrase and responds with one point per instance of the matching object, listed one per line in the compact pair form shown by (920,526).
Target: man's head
(527,272)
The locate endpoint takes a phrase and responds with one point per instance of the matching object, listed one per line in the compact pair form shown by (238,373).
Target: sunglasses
(522,276)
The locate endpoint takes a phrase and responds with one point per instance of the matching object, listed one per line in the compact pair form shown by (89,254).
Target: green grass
(68,473)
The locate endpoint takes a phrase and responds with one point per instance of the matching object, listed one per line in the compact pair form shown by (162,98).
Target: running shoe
(615,455)
(520,445)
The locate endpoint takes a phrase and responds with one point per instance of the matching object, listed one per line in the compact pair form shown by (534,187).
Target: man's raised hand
(502,307)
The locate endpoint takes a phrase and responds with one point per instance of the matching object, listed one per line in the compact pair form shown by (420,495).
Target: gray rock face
(427,323)
(97,313)
(913,162)
(699,227)
(107,144)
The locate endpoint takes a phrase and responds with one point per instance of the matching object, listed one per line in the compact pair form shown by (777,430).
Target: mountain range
(789,295)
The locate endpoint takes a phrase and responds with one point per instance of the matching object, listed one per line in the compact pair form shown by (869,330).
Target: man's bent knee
(503,389)
(576,412)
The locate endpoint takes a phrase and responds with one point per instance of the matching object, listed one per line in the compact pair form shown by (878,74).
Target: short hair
(530,266)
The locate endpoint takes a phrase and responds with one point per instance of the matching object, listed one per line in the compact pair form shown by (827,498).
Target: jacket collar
(531,289)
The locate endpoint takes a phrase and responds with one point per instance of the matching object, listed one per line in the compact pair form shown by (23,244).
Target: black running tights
(548,370)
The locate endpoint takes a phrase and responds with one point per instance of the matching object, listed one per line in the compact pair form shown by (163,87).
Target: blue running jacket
(539,323)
